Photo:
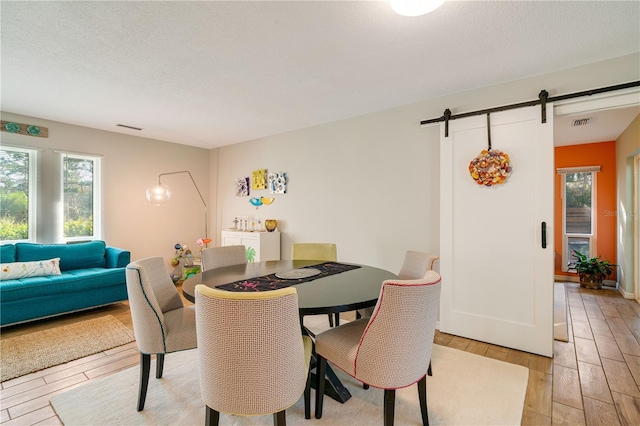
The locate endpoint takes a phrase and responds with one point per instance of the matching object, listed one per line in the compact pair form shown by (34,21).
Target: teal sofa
(91,274)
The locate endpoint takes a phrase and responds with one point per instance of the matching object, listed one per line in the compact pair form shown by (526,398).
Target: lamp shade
(415,7)
(158,194)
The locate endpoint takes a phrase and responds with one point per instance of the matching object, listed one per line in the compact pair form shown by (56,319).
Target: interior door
(497,278)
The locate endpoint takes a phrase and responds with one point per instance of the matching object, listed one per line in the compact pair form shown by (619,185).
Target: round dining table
(346,291)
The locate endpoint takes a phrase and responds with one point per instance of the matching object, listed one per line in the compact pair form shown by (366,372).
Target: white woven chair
(161,323)
(390,350)
(327,252)
(253,358)
(414,266)
(219,257)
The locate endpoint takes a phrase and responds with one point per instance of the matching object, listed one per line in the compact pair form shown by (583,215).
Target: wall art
(259,179)
(242,187)
(277,183)
(24,129)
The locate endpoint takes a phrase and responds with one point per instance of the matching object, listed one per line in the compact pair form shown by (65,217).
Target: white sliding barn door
(497,280)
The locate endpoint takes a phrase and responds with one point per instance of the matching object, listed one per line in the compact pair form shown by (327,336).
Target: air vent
(128,127)
(581,121)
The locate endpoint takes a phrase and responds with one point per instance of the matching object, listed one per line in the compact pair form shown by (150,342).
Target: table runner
(271,282)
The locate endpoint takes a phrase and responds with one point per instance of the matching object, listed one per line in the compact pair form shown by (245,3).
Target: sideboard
(261,246)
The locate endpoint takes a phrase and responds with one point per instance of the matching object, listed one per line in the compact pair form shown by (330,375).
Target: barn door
(497,270)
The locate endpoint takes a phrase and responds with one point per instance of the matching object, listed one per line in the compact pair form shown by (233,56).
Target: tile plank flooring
(592,380)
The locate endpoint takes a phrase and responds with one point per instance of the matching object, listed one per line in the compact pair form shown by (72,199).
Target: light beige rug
(560,324)
(42,349)
(465,389)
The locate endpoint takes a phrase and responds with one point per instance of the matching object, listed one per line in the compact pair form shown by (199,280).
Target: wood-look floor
(593,379)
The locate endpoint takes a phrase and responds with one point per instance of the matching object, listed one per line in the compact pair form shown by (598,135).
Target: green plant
(602,268)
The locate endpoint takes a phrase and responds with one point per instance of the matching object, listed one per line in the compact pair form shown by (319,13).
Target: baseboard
(626,295)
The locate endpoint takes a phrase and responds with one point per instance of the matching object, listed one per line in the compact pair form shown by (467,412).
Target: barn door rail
(543,99)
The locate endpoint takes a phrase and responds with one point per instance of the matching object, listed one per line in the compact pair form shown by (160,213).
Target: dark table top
(343,292)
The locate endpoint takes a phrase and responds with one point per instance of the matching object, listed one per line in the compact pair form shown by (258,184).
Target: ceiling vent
(581,121)
(138,128)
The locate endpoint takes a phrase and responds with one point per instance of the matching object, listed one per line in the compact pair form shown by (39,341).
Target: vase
(270,224)
(591,281)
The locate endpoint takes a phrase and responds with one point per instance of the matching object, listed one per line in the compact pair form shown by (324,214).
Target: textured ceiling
(210,74)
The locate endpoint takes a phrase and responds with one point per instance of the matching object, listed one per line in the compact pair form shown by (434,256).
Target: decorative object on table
(189,271)
(159,194)
(258,179)
(24,129)
(242,187)
(277,183)
(176,262)
(251,254)
(491,166)
(203,243)
(592,271)
(235,224)
(270,225)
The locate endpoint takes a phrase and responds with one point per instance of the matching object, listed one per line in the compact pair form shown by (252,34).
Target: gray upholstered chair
(253,358)
(219,257)
(390,350)
(414,266)
(327,252)
(161,323)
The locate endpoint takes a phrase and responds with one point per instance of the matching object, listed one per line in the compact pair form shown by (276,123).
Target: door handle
(544,235)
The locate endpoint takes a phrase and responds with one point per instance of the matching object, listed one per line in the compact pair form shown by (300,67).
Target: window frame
(32,197)
(96,199)
(566,256)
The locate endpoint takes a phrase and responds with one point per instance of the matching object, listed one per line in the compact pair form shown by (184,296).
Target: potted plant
(592,271)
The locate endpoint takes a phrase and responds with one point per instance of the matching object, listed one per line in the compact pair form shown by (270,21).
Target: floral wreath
(491,167)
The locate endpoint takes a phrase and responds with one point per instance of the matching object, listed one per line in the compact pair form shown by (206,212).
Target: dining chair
(327,252)
(161,322)
(219,257)
(253,358)
(390,350)
(414,266)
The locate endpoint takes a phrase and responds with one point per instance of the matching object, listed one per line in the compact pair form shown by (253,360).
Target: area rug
(560,324)
(36,351)
(465,389)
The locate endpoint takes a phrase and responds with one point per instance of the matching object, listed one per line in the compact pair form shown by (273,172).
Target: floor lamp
(160,193)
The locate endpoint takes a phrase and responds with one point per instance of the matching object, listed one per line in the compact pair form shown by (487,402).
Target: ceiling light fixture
(415,7)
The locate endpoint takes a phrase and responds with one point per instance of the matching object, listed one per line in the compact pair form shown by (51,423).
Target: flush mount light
(415,7)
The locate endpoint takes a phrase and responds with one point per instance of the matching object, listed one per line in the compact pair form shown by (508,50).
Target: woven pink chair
(390,350)
(253,357)
(161,322)
(219,257)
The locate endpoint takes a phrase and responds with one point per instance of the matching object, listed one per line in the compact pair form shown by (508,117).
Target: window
(18,168)
(81,197)
(578,212)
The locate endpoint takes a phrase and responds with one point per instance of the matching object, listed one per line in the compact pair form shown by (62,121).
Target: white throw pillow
(38,268)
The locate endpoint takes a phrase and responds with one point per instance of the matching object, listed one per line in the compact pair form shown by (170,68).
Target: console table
(261,246)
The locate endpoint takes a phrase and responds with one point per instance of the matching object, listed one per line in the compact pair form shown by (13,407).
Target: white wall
(627,146)
(371,183)
(130,165)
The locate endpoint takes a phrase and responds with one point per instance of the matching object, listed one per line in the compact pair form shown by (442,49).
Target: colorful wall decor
(259,179)
(242,187)
(277,183)
(24,129)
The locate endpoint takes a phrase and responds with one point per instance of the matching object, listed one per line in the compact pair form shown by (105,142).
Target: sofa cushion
(76,281)
(7,253)
(72,256)
(37,268)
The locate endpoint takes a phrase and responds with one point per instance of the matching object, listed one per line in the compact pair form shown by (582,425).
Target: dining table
(323,288)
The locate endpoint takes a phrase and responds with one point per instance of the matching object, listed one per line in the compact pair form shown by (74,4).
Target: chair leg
(145,366)
(280,418)
(212,417)
(365,386)
(337,320)
(429,372)
(321,371)
(159,365)
(389,406)
(422,395)
(330,320)
(307,397)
